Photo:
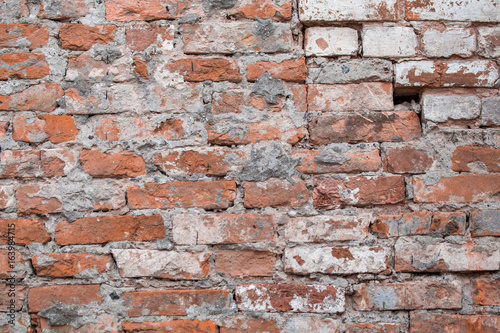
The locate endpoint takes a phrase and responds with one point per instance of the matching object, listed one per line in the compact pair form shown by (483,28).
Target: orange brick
(244,264)
(263,9)
(30,99)
(78,37)
(11,264)
(287,70)
(407,160)
(173,326)
(199,70)
(275,193)
(35,163)
(37,129)
(453,323)
(27,35)
(486,292)
(26,232)
(254,325)
(487,157)
(32,199)
(64,9)
(40,298)
(23,66)
(59,265)
(98,164)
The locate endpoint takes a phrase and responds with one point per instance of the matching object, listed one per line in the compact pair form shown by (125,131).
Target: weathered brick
(375,328)
(244,264)
(238,37)
(78,37)
(60,265)
(188,98)
(139,10)
(172,326)
(453,323)
(222,229)
(11,264)
(7,196)
(275,193)
(490,111)
(36,163)
(33,199)
(287,70)
(370,127)
(347,10)
(421,294)
(240,101)
(99,164)
(101,323)
(266,9)
(40,298)
(38,129)
(110,229)
(324,228)
(451,73)
(254,325)
(485,223)
(29,99)
(297,324)
(488,158)
(26,232)
(207,195)
(389,42)
(407,160)
(419,223)
(488,41)
(452,10)
(351,71)
(243,133)
(445,42)
(199,70)
(330,41)
(141,68)
(338,158)
(64,9)
(23,35)
(332,193)
(170,265)
(486,292)
(424,254)
(141,36)
(290,298)
(176,302)
(336,260)
(368,96)
(19,291)
(13,9)
(462,188)
(441,108)
(23,66)
(211,161)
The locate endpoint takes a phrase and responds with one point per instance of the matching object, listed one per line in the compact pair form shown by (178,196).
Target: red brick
(64,9)
(40,298)
(78,37)
(140,37)
(170,265)
(371,127)
(238,101)
(23,35)
(207,195)
(35,163)
(7,196)
(199,70)
(266,9)
(23,66)
(102,323)
(32,199)
(326,228)
(300,97)
(463,188)
(453,323)
(19,291)
(13,9)
(99,164)
(486,292)
(407,160)
(173,326)
(488,157)
(29,99)
(189,98)
(485,223)
(4,127)
(287,70)
(358,191)
(209,161)
(374,328)
(83,66)
(351,160)
(421,294)
(419,223)
(244,264)
(289,298)
(253,325)
(26,231)
(60,265)
(10,262)
(110,229)
(189,229)
(38,129)
(176,302)
(275,193)
(141,10)
(141,68)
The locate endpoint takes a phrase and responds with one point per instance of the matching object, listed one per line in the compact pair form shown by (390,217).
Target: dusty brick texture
(250,166)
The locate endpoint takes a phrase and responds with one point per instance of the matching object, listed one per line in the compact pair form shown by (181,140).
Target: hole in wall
(406,99)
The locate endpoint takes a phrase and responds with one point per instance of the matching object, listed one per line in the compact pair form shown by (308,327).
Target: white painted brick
(445,43)
(488,40)
(347,10)
(321,41)
(440,108)
(389,42)
(453,10)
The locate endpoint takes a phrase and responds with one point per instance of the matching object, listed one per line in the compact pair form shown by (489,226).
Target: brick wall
(250,166)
